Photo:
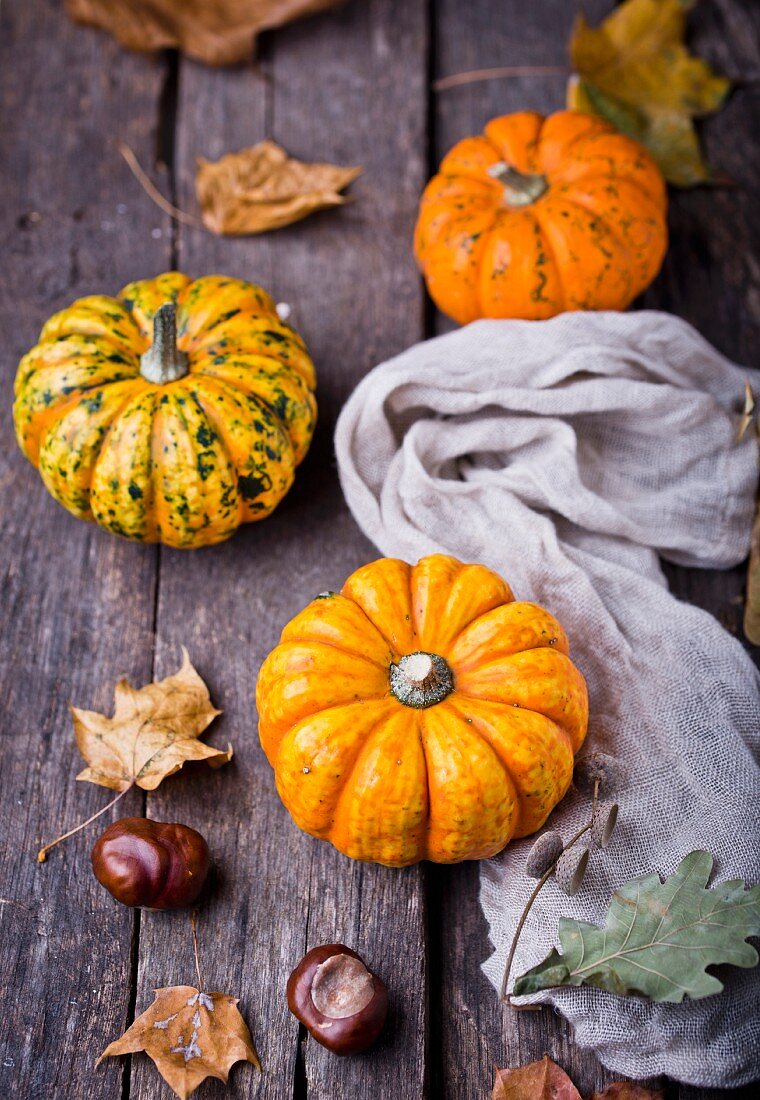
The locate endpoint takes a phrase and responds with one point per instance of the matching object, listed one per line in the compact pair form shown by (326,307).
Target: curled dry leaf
(542,1080)
(190,1036)
(635,71)
(219,32)
(752,607)
(262,188)
(153,732)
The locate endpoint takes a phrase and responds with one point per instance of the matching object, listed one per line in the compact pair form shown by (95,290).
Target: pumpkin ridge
(135,397)
(629,181)
(597,126)
(288,740)
(231,393)
(455,707)
(484,730)
(253,393)
(217,424)
(346,787)
(340,649)
(589,209)
(551,252)
(388,641)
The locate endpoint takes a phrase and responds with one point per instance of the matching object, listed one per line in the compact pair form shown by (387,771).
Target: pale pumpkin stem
(163,361)
(421,679)
(520,188)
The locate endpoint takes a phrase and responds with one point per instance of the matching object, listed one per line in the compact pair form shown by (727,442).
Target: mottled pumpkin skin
(594,239)
(384,781)
(186,462)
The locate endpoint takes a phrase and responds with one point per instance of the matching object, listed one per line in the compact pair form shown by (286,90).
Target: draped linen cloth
(569,455)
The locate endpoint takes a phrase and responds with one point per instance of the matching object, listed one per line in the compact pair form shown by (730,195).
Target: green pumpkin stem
(520,188)
(163,361)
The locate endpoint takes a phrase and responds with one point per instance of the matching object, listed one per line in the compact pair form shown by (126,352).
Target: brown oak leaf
(262,188)
(219,32)
(542,1080)
(190,1036)
(153,732)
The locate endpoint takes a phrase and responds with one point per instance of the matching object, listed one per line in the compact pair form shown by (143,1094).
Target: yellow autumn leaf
(190,1035)
(262,188)
(635,70)
(153,732)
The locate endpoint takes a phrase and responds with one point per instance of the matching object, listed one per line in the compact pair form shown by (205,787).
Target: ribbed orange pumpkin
(538,216)
(421,713)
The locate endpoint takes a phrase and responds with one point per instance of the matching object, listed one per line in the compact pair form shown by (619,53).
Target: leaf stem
(42,854)
(194,926)
(456,79)
(503,995)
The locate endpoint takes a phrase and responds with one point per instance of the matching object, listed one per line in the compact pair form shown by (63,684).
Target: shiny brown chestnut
(338,999)
(151,864)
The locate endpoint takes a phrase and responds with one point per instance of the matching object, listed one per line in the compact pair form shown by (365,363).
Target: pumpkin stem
(520,188)
(163,361)
(421,679)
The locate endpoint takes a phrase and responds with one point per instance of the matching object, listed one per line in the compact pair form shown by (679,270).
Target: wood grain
(76,605)
(474,1032)
(356,298)
(80,608)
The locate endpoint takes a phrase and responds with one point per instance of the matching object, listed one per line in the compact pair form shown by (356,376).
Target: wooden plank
(710,276)
(348,88)
(473,1034)
(77,604)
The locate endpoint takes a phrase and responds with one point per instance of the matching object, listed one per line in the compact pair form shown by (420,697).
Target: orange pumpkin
(538,216)
(421,713)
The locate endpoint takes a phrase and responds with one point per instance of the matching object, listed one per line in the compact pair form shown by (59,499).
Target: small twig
(42,854)
(457,79)
(152,191)
(503,995)
(193,925)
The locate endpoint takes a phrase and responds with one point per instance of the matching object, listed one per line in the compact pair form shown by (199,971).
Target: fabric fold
(569,455)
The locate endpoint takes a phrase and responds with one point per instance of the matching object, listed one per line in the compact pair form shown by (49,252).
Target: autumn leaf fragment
(219,32)
(542,1080)
(262,188)
(659,938)
(628,1090)
(153,732)
(190,1036)
(635,70)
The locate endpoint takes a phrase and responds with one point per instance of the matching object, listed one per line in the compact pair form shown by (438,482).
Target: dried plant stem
(194,926)
(152,191)
(42,854)
(504,996)
(457,79)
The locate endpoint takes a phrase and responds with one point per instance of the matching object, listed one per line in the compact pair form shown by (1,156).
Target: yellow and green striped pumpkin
(172,413)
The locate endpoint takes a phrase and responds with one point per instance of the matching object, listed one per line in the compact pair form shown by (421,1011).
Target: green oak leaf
(658,939)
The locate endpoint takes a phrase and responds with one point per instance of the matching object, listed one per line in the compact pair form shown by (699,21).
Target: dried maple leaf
(262,188)
(153,732)
(542,1080)
(219,32)
(190,1036)
(635,71)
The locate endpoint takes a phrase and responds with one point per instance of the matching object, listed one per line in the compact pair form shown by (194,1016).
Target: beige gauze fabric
(569,455)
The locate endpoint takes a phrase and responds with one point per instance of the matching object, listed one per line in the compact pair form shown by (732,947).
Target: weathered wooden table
(80,608)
